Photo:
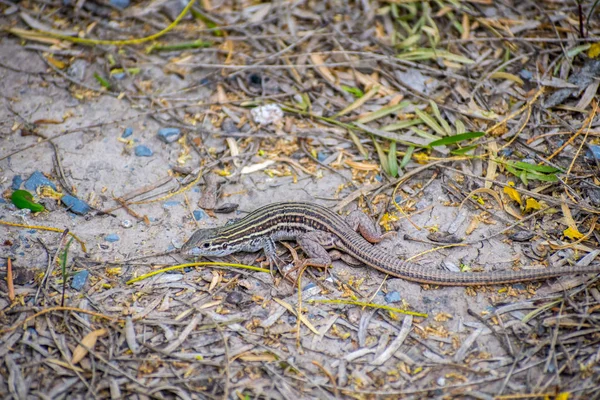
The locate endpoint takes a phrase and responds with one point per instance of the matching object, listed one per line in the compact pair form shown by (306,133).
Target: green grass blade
(456,138)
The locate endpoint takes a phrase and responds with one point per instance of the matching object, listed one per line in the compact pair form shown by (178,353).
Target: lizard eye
(224,246)
(206,245)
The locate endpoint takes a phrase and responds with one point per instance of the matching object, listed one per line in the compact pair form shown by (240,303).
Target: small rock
(521,236)
(524,74)
(321,156)
(592,153)
(16,182)
(310,285)
(199,214)
(112,237)
(226,208)
(518,286)
(77,69)
(171,203)
(169,135)
(36,180)
(80,279)
(234,298)
(228,126)
(267,114)
(120,3)
(75,205)
(126,223)
(143,151)
(392,297)
(127,132)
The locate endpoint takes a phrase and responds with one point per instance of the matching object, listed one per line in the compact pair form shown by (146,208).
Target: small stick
(9,281)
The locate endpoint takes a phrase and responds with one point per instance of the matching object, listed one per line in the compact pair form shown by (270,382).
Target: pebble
(16,182)
(392,297)
(112,237)
(143,151)
(75,205)
(126,223)
(199,214)
(524,74)
(80,279)
(267,114)
(169,135)
(120,3)
(171,203)
(321,156)
(234,298)
(594,151)
(127,132)
(36,180)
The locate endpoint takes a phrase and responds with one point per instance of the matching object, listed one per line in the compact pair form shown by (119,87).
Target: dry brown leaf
(88,342)
(362,166)
(326,72)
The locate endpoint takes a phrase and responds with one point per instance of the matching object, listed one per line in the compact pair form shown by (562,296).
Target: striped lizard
(317,229)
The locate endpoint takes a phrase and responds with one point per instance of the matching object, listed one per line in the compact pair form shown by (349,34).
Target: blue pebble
(2,201)
(321,156)
(80,279)
(171,203)
(119,76)
(75,205)
(378,178)
(506,152)
(398,199)
(112,237)
(169,135)
(36,180)
(392,297)
(127,132)
(204,81)
(143,151)
(309,286)
(594,151)
(120,3)
(16,182)
(196,190)
(519,286)
(199,214)
(526,74)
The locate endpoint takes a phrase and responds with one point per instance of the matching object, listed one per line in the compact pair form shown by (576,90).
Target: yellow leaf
(593,52)
(512,193)
(88,342)
(532,204)
(572,233)
(57,63)
(564,395)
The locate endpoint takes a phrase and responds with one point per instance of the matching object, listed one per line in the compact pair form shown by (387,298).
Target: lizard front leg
(315,245)
(361,223)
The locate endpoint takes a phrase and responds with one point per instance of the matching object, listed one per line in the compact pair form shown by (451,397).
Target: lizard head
(207,242)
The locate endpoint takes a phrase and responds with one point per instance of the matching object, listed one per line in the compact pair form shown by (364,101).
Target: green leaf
(438,115)
(430,54)
(430,122)
(102,81)
(393,160)
(382,112)
(464,150)
(456,138)
(401,125)
(407,156)
(532,167)
(356,92)
(23,199)
(382,157)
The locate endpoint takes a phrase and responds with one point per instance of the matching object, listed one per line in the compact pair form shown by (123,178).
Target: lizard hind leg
(361,223)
